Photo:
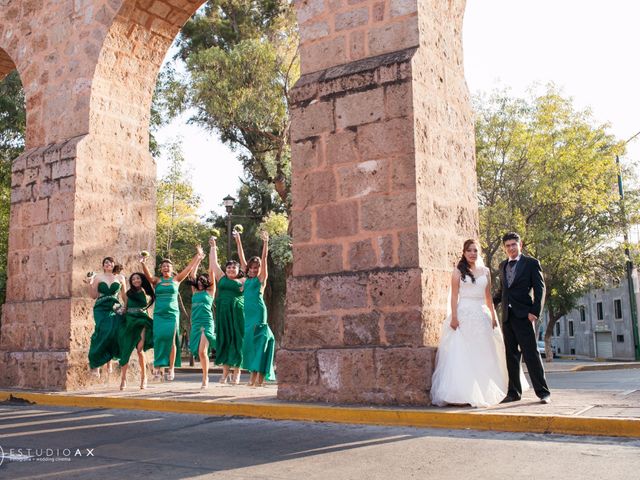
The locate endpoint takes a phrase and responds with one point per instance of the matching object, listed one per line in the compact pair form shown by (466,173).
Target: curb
(609,366)
(397,417)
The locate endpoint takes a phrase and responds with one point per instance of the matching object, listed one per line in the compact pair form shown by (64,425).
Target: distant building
(600,326)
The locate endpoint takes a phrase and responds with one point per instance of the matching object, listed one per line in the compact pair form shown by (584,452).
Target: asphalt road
(116,444)
(596,380)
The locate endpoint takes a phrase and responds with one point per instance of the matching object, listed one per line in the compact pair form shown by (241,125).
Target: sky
(588,48)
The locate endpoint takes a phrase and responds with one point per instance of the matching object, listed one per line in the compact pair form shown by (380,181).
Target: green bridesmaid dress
(166,323)
(229,323)
(259,343)
(201,321)
(135,320)
(104,341)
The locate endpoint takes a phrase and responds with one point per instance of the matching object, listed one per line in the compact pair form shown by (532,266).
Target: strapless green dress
(259,343)
(135,320)
(229,323)
(201,322)
(104,341)
(166,323)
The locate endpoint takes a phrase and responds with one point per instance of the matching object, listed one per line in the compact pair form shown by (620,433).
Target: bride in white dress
(470,364)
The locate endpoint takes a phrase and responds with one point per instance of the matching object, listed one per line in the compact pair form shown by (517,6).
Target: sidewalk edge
(556,424)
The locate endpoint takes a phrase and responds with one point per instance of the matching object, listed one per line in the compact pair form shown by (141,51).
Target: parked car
(542,351)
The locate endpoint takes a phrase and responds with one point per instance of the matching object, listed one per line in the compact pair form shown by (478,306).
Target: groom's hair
(510,236)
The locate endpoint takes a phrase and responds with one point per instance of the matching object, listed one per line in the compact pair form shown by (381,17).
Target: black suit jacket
(526,293)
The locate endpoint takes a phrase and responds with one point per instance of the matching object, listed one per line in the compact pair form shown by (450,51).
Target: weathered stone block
(362,329)
(351,19)
(311,120)
(312,331)
(313,188)
(382,139)
(364,178)
(404,328)
(341,147)
(343,292)
(337,220)
(396,288)
(385,212)
(359,108)
(362,255)
(317,259)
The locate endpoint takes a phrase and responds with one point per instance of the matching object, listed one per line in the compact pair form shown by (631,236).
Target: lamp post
(628,262)
(228,203)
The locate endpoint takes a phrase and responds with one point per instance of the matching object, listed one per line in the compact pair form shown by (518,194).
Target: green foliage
(241,60)
(547,171)
(12,130)
(178,227)
(277,225)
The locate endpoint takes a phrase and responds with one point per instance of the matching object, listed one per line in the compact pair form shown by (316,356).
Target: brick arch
(381,136)
(125,76)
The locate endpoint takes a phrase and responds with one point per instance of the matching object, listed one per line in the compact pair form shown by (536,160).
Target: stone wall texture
(383,185)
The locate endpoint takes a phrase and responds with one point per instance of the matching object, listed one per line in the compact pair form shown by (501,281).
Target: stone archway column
(384,192)
(72,203)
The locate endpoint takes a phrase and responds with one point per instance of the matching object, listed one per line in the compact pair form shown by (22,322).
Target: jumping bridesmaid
(259,343)
(136,331)
(166,314)
(108,289)
(202,337)
(229,316)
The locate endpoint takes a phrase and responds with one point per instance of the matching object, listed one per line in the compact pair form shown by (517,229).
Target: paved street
(129,444)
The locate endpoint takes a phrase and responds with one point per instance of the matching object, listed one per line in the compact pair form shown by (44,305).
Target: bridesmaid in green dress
(202,337)
(108,289)
(136,331)
(259,343)
(229,316)
(166,314)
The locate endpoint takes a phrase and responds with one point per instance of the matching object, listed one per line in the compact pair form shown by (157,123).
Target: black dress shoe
(509,399)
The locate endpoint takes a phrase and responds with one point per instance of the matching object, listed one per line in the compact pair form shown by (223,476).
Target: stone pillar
(85,187)
(383,174)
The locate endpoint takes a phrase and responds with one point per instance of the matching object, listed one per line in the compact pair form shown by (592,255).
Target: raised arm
(213,259)
(243,260)
(123,289)
(264,271)
(455,288)
(489,300)
(212,274)
(193,274)
(152,280)
(197,258)
(92,286)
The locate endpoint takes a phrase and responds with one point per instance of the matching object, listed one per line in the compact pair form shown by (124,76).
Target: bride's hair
(463,265)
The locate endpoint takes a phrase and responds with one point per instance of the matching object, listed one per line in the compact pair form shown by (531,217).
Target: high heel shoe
(205,384)
(224,380)
(170,376)
(123,384)
(143,383)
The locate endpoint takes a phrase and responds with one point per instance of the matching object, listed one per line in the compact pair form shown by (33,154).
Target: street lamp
(629,264)
(228,203)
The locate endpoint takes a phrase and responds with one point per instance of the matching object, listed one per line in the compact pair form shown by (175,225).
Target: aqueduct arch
(383,184)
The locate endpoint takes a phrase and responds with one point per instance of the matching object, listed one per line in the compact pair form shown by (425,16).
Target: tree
(12,128)
(546,170)
(241,61)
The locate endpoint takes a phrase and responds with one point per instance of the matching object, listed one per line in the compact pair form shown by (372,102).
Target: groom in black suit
(521,294)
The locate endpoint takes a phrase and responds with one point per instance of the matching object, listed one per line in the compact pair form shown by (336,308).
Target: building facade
(600,326)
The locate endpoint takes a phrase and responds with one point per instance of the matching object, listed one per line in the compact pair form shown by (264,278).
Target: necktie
(511,271)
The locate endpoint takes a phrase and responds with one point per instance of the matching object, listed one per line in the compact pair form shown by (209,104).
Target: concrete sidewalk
(579,411)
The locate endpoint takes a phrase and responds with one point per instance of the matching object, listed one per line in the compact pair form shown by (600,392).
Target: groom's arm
(497,297)
(539,289)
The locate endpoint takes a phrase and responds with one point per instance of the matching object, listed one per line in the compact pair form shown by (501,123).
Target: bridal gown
(470,363)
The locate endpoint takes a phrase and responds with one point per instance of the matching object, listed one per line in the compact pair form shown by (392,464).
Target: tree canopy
(547,170)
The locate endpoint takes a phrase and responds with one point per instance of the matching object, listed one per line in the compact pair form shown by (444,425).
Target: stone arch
(381,137)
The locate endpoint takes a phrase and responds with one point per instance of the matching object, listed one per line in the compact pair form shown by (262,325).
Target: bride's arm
(455,287)
(489,300)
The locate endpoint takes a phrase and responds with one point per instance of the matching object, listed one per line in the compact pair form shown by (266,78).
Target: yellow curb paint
(611,366)
(556,424)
